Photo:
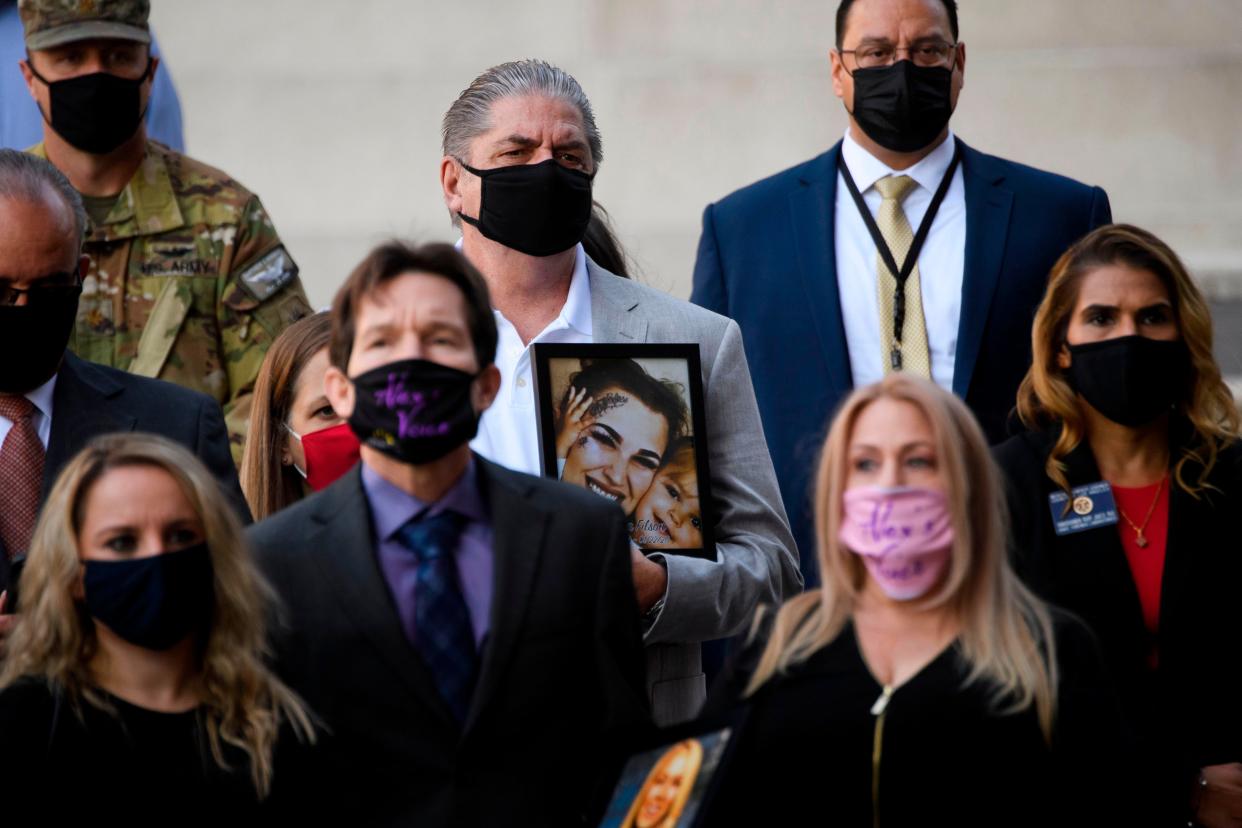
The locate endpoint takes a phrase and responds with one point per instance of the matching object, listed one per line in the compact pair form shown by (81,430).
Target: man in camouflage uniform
(188,281)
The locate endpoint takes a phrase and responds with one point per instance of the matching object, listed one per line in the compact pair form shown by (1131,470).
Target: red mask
(329,453)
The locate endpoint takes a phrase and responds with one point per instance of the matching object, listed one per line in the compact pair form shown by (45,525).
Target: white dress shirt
(509,430)
(41,417)
(942,260)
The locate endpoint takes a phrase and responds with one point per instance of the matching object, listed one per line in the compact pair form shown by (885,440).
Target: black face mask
(903,107)
(414,410)
(35,335)
(95,113)
(537,209)
(152,602)
(1131,380)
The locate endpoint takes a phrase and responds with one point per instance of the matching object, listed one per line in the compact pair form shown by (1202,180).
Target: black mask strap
(902,273)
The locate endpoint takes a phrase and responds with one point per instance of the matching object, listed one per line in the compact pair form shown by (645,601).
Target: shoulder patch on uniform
(268,274)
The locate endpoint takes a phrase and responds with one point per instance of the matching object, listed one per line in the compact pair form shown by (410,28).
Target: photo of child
(624,427)
(668,514)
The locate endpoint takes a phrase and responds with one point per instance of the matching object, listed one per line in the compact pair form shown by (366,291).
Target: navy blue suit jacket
(767,259)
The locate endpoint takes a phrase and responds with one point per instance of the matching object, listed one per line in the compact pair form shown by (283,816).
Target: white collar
(41,397)
(866,169)
(576,312)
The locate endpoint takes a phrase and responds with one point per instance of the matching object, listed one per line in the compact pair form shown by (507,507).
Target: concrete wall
(331,110)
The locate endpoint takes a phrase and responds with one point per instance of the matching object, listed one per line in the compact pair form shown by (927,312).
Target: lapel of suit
(519,526)
(1193,523)
(614,307)
(988,205)
(343,534)
(80,412)
(812,212)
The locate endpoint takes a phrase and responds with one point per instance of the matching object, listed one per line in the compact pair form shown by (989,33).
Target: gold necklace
(1138,530)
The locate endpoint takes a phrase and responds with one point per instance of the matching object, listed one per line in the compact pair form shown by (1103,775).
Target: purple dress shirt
(391,508)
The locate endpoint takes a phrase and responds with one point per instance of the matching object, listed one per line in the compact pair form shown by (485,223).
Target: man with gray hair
(521,149)
(51,402)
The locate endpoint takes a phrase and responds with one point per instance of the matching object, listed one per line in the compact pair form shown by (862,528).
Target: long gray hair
(470,114)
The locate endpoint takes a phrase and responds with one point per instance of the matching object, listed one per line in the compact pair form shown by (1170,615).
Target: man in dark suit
(51,402)
(469,635)
(799,259)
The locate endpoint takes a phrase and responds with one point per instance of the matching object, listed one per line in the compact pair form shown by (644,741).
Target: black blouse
(818,745)
(143,766)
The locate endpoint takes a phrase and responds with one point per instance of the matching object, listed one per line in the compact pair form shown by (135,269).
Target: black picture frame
(677,368)
(718,737)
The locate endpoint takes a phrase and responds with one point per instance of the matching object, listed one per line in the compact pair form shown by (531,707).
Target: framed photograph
(670,782)
(627,423)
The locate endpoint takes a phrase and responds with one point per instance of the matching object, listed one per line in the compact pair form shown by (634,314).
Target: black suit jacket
(90,400)
(561,674)
(1185,712)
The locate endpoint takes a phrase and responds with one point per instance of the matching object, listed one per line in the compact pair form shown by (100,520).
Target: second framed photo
(627,423)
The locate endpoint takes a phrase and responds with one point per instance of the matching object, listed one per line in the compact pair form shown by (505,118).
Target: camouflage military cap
(51,23)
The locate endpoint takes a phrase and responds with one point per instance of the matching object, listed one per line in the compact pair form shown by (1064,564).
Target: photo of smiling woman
(624,429)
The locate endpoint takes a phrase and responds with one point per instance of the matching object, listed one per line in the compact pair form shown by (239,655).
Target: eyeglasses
(930,53)
(54,285)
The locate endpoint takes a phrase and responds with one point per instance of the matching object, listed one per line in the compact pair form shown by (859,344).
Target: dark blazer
(1185,712)
(90,400)
(561,674)
(767,259)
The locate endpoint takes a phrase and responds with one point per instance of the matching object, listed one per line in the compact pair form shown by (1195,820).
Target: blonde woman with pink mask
(921,683)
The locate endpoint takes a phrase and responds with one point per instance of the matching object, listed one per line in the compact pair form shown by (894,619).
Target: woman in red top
(1125,496)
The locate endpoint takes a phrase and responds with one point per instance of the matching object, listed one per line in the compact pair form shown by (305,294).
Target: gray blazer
(756,560)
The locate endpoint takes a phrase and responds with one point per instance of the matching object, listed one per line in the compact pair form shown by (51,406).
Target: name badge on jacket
(1090,507)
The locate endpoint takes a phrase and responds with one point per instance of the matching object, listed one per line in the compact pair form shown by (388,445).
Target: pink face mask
(904,535)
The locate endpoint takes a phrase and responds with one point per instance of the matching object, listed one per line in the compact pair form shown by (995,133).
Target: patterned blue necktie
(442,630)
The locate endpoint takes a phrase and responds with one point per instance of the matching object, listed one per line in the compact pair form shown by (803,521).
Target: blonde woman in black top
(921,683)
(134,683)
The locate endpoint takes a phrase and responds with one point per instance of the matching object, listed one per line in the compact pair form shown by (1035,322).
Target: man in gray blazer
(520,152)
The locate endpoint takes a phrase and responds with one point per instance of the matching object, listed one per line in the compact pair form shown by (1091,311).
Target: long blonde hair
(243,703)
(1046,396)
(1006,632)
(269,485)
(691,751)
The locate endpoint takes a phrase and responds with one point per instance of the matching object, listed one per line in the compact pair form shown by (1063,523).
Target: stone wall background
(331,110)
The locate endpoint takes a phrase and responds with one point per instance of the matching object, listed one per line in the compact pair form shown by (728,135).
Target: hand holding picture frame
(627,422)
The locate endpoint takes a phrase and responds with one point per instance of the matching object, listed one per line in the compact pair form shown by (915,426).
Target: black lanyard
(912,257)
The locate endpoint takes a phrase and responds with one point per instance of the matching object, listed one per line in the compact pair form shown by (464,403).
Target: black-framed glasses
(929,53)
(54,284)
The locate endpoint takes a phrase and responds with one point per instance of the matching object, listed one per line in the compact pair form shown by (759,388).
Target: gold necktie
(895,229)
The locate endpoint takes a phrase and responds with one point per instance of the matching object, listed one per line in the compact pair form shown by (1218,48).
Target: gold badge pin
(1083,505)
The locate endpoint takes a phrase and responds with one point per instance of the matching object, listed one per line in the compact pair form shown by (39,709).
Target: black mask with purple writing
(414,411)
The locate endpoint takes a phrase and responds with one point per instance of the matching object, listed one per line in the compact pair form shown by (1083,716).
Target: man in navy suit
(799,259)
